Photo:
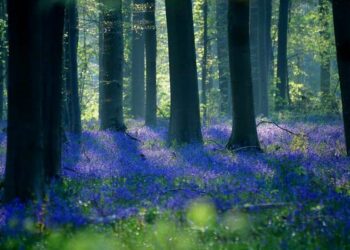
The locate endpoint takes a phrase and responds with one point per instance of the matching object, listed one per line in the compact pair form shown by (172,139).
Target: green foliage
(299,143)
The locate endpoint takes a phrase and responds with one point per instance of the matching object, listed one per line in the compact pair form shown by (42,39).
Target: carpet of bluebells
(136,192)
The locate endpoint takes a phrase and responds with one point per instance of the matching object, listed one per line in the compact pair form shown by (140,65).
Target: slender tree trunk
(3,58)
(282,61)
(127,67)
(325,77)
(260,37)
(205,60)
(112,64)
(138,61)
(184,111)
(341,16)
(269,56)
(72,87)
(151,60)
(222,52)
(244,132)
(100,62)
(255,38)
(265,39)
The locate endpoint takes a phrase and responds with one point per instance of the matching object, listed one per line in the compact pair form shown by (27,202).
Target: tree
(222,53)
(111,85)
(325,77)
(151,62)
(244,132)
(35,31)
(138,61)
(52,45)
(3,55)
(184,111)
(73,121)
(260,26)
(282,61)
(341,17)
(205,59)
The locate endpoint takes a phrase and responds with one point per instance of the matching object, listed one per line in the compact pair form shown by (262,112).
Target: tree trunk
(255,52)
(151,60)
(205,60)
(325,77)
(138,61)
(24,175)
(53,23)
(72,87)
(282,61)
(264,60)
(184,111)
(269,56)
(3,58)
(244,132)
(33,144)
(112,64)
(341,16)
(100,64)
(127,67)
(222,52)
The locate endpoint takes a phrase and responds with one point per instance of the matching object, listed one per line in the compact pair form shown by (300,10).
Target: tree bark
(151,60)
(341,16)
(184,111)
(244,133)
(3,57)
(255,49)
(138,61)
(222,53)
(325,76)
(35,81)
(205,59)
(282,61)
(265,56)
(53,23)
(72,87)
(112,64)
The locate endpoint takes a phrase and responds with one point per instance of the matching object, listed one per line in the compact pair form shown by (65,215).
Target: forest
(174,124)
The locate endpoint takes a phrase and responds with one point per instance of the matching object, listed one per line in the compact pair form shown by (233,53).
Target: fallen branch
(244,148)
(278,126)
(132,137)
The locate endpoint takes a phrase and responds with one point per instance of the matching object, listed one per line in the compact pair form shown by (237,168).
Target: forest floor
(134,192)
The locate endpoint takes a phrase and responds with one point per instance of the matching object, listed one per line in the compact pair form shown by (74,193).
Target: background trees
(72,106)
(3,57)
(222,55)
(282,61)
(151,63)
(138,60)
